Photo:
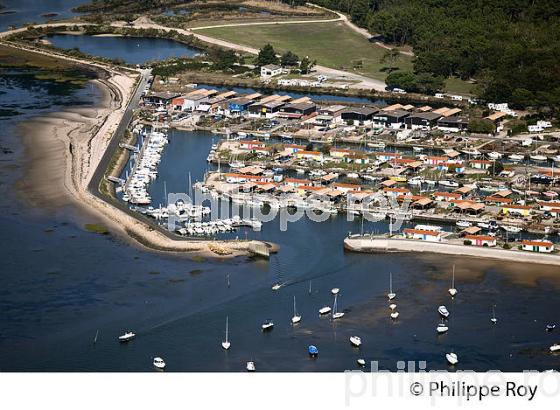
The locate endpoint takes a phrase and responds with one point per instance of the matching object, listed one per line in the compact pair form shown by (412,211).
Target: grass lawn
(455,85)
(331,44)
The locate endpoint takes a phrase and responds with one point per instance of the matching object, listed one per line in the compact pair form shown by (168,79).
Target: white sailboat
(493,319)
(452,290)
(452,358)
(391,295)
(251,366)
(335,314)
(555,347)
(127,336)
(159,363)
(394,315)
(335,291)
(296,318)
(392,306)
(226,344)
(324,310)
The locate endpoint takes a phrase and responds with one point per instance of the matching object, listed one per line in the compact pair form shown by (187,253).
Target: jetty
(384,244)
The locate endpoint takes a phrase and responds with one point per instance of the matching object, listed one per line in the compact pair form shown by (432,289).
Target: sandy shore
(63,151)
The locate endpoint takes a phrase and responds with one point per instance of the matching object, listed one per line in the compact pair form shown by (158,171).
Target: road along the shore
(80,145)
(369,244)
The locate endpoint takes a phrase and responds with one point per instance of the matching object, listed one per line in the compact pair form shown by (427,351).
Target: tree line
(510,47)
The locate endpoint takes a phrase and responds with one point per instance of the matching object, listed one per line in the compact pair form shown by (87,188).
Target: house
(434,160)
(537,246)
(497,200)
(447,196)
(296,183)
(160,98)
(266,109)
(387,156)
(251,145)
(481,164)
(237,106)
(192,100)
(470,207)
(346,187)
(330,115)
(297,110)
(358,116)
(339,152)
(293,148)
(453,124)
(396,192)
(312,155)
(270,70)
(513,209)
(423,235)
(481,240)
(422,120)
(394,119)
(357,158)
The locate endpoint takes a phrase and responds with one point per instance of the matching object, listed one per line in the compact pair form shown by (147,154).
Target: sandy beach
(62,152)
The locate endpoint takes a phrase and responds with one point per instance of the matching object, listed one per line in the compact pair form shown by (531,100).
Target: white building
(270,70)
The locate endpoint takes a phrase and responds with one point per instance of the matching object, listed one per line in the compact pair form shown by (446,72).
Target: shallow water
(132,50)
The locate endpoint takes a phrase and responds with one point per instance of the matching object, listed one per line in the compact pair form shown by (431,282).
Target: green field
(331,44)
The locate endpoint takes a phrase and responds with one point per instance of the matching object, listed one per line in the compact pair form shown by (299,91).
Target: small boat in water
(250,366)
(516,157)
(442,328)
(276,286)
(448,183)
(452,358)
(391,295)
(295,318)
(493,319)
(511,228)
(159,363)
(494,155)
(394,315)
(335,291)
(361,362)
(356,341)
(324,310)
(463,224)
(443,311)
(538,158)
(555,347)
(392,306)
(335,314)
(452,290)
(226,344)
(268,325)
(550,327)
(127,336)
(313,351)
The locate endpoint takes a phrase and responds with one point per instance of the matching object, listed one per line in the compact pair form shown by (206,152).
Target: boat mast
(227,327)
(295,314)
(453,279)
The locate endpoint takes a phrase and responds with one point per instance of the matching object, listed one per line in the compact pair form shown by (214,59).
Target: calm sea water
(131,50)
(61,285)
(19,12)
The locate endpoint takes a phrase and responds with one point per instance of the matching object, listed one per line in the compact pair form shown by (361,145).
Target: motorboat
(361,362)
(443,311)
(335,313)
(324,310)
(463,224)
(335,291)
(356,341)
(511,229)
(452,358)
(296,318)
(472,152)
(493,319)
(226,343)
(448,183)
(313,351)
(555,347)
(159,363)
(250,366)
(516,157)
(276,286)
(494,155)
(394,315)
(127,336)
(538,158)
(550,327)
(268,325)
(442,328)
(556,159)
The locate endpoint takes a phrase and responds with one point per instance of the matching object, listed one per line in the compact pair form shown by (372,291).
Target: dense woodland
(511,47)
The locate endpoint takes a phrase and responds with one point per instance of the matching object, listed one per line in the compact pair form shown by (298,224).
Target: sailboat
(391,295)
(394,314)
(335,314)
(452,358)
(493,319)
(452,290)
(296,318)
(356,341)
(226,344)
(392,306)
